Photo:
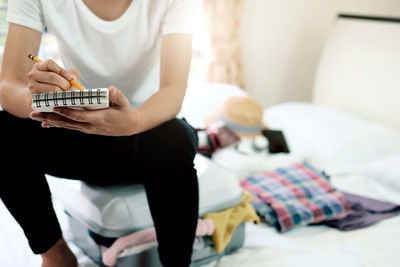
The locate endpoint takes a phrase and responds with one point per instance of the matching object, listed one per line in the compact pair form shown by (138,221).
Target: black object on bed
(277,141)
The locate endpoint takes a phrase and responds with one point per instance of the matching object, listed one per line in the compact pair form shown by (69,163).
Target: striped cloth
(294,196)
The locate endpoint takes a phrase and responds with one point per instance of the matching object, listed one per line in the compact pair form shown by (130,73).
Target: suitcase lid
(114,211)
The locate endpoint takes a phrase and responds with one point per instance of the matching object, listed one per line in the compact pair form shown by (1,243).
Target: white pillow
(385,171)
(335,141)
(361,151)
(202,99)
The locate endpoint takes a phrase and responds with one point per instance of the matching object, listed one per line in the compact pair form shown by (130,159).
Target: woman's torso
(124,52)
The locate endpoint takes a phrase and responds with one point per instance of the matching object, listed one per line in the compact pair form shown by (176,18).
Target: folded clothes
(132,250)
(294,196)
(364,212)
(205,227)
(110,254)
(145,239)
(226,221)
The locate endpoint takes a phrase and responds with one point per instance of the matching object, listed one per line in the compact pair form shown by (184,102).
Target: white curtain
(223,18)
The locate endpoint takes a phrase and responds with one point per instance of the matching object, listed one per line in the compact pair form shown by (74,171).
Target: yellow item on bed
(227,220)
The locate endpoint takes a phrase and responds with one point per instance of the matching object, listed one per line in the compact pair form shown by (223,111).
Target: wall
(282,41)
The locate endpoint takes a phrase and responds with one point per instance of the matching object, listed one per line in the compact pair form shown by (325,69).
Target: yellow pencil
(73,82)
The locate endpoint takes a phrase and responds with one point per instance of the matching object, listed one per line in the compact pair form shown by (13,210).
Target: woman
(141,49)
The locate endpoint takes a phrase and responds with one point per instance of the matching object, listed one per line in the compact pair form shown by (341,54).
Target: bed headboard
(359,70)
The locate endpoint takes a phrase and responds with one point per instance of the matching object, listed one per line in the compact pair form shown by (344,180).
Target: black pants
(161,159)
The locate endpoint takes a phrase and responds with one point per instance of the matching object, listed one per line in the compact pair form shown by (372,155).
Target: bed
(351,130)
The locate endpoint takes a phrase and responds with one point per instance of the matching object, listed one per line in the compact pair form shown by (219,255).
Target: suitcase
(99,215)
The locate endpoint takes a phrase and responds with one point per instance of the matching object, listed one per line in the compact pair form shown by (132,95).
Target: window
(3,25)
(201,49)
(3,21)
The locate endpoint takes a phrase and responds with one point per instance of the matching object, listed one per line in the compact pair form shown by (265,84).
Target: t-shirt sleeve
(27,13)
(179,17)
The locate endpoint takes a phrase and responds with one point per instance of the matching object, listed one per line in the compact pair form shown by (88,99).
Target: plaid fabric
(294,196)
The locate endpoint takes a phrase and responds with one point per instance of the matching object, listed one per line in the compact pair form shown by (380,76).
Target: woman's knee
(173,143)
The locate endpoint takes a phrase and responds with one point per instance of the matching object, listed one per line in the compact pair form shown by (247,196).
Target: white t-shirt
(124,52)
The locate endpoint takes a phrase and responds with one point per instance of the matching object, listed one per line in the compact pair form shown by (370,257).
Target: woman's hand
(118,120)
(47,76)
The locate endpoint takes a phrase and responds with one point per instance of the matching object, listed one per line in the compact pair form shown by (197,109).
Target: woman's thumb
(116,96)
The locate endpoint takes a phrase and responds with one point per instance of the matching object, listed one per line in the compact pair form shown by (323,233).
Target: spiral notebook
(97,98)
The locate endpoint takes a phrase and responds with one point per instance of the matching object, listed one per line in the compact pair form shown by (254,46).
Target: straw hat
(241,114)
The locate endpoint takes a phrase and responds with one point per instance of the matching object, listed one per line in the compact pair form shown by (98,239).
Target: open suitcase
(99,215)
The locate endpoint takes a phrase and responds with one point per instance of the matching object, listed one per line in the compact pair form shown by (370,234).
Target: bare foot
(59,256)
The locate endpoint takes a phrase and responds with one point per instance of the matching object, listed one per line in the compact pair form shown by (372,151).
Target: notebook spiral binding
(96,98)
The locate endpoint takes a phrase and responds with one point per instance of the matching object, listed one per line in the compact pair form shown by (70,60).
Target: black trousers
(161,159)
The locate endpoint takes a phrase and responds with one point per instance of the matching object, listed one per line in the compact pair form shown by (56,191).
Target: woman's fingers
(36,87)
(56,120)
(51,78)
(50,65)
(72,74)
(117,97)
